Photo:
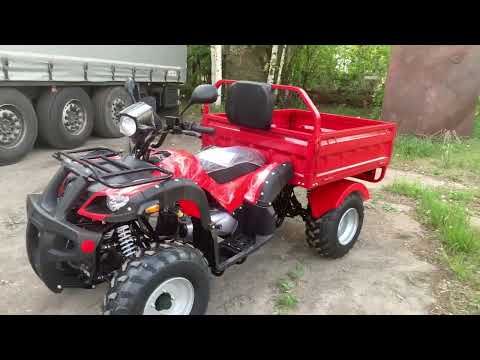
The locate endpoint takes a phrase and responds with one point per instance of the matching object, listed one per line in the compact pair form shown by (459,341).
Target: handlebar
(187,128)
(202,129)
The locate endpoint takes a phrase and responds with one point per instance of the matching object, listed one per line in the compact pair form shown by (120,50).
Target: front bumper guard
(52,242)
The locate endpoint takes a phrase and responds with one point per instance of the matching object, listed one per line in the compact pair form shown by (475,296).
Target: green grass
(286,300)
(388,207)
(447,211)
(455,160)
(346,110)
(409,147)
(296,274)
(476,128)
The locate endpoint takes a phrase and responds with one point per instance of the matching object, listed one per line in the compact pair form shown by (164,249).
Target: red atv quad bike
(156,222)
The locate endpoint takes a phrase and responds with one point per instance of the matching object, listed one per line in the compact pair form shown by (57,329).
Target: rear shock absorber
(126,241)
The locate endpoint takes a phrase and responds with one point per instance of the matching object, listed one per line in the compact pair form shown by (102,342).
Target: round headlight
(127,126)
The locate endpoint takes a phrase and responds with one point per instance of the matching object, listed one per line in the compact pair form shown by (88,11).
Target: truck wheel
(171,281)
(335,233)
(108,103)
(66,117)
(18,126)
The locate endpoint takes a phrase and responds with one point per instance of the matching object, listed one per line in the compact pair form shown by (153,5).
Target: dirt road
(381,275)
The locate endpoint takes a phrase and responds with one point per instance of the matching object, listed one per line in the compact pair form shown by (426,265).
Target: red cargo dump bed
(322,147)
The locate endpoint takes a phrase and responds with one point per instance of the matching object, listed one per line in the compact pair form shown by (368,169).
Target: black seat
(249,104)
(224,164)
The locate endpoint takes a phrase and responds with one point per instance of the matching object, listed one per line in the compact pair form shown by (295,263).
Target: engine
(224,223)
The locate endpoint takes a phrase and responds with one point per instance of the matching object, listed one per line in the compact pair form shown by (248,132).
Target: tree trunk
(244,62)
(216,60)
(432,88)
(212,62)
(273,64)
(282,61)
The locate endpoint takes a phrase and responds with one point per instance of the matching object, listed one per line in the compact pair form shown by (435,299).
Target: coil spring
(126,241)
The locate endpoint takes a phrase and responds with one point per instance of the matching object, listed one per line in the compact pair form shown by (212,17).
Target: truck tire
(335,233)
(171,281)
(18,126)
(108,102)
(65,117)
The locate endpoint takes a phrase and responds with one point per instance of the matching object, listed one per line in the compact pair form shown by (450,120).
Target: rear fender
(266,184)
(330,196)
(274,183)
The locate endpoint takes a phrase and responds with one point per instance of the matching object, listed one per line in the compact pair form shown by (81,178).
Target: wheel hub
(12,126)
(348,225)
(174,296)
(74,117)
(117,105)
(163,302)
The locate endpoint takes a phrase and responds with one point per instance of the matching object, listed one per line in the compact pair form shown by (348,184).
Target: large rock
(432,88)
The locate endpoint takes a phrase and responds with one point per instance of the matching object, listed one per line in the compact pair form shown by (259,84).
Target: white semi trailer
(60,94)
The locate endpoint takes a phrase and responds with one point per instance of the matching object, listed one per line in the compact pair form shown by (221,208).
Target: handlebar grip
(203,129)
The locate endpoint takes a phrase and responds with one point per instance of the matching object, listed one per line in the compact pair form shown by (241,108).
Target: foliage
(286,299)
(476,129)
(377,99)
(342,74)
(349,74)
(198,67)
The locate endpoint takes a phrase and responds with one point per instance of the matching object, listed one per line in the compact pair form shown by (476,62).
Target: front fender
(166,193)
(330,196)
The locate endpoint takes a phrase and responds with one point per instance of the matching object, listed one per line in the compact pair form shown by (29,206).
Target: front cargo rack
(85,165)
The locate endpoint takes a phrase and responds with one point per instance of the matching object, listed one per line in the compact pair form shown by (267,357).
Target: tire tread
(132,273)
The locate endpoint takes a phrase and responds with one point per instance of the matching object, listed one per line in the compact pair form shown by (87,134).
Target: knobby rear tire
(322,233)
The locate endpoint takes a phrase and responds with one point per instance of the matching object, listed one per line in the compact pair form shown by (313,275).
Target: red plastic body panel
(330,196)
(230,195)
(190,208)
(185,165)
(91,215)
(322,147)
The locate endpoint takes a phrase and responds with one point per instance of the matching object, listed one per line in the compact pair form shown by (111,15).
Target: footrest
(235,250)
(238,244)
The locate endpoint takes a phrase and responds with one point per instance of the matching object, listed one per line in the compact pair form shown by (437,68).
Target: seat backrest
(250,104)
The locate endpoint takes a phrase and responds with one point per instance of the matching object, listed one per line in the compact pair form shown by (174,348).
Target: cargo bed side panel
(348,153)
